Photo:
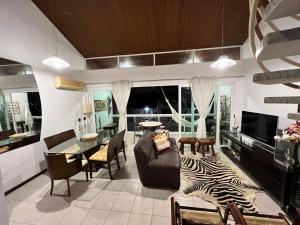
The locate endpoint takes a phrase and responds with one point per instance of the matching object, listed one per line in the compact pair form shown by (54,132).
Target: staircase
(278,44)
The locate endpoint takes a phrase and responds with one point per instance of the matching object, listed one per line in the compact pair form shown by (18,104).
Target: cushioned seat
(251,220)
(100,155)
(4,149)
(204,217)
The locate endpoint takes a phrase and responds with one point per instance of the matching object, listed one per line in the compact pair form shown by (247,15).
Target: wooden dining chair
(105,155)
(59,168)
(5,134)
(59,138)
(184,215)
(121,144)
(260,219)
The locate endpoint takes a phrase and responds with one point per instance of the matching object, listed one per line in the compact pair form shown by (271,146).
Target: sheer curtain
(203,89)
(121,92)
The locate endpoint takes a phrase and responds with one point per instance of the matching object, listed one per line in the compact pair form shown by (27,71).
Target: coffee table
(188,140)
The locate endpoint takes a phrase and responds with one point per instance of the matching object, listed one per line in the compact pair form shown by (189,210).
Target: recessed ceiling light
(223,62)
(56,63)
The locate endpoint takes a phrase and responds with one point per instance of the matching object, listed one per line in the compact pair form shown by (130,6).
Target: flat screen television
(261,127)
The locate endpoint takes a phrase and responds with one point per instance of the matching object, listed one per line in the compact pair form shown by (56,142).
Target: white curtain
(203,89)
(121,92)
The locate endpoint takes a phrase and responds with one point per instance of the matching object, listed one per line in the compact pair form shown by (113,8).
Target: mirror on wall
(20,106)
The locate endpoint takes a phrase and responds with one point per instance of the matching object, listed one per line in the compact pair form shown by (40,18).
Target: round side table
(188,140)
(206,142)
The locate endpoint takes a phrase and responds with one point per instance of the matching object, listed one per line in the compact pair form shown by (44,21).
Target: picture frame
(101,105)
(16,110)
(97,105)
(15,104)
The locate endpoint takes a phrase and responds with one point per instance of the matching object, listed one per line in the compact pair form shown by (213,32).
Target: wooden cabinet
(259,164)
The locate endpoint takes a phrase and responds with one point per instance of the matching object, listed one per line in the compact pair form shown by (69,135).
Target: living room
(197,80)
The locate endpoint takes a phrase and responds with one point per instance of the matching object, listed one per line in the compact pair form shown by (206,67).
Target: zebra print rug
(216,182)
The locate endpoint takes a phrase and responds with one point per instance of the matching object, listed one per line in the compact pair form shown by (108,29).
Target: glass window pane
(186,100)
(225,107)
(102,63)
(103,108)
(173,58)
(211,55)
(134,61)
(150,100)
(169,124)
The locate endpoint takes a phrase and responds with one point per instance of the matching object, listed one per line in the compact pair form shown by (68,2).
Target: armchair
(60,169)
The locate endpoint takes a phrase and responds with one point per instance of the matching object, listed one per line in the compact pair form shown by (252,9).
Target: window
(225,107)
(149,103)
(150,100)
(190,112)
(104,108)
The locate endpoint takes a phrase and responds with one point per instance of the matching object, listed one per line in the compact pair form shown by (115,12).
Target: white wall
(20,164)
(60,108)
(255,94)
(3,210)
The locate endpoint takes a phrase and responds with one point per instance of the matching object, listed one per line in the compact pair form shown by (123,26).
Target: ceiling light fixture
(223,61)
(55,61)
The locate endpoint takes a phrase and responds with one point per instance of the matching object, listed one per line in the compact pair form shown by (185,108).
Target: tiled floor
(123,201)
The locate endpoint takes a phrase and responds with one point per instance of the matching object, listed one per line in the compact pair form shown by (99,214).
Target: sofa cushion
(161,142)
(145,148)
(169,159)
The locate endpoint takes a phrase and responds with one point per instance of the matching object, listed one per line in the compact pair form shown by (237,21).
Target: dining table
(150,125)
(77,147)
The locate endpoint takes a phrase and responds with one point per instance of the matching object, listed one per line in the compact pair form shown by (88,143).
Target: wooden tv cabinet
(258,162)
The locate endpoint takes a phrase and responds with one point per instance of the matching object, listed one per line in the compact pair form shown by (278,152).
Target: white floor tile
(143,205)
(105,201)
(74,216)
(162,207)
(138,219)
(160,220)
(95,217)
(123,203)
(117,218)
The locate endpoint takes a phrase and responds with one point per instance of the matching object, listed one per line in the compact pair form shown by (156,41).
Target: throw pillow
(161,142)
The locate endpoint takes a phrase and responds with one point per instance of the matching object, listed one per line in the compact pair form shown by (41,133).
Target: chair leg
(52,184)
(109,171)
(87,173)
(91,169)
(68,183)
(118,161)
(124,154)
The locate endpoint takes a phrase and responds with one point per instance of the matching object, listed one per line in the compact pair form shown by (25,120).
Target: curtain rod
(139,81)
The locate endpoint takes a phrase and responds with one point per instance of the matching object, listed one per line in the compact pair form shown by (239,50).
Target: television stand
(258,162)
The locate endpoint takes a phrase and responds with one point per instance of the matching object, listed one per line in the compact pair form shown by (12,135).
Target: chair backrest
(120,140)
(144,150)
(5,134)
(112,147)
(57,139)
(57,165)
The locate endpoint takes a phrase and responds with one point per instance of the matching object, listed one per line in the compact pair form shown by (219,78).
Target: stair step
(294,116)
(279,44)
(277,77)
(283,100)
(281,8)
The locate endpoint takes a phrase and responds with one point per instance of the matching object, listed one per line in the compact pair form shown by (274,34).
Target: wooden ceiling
(116,27)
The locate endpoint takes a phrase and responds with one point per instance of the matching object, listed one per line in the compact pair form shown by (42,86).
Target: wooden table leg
(193,148)
(182,148)
(203,150)
(198,148)
(213,151)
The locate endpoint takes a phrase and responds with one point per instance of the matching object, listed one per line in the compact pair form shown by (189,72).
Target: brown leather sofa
(157,170)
